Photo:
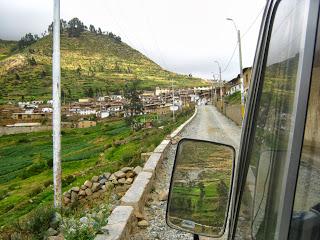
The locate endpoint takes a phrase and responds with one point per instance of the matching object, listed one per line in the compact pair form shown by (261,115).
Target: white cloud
(184,36)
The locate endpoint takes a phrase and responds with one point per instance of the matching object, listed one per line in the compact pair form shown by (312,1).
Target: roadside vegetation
(26,160)
(233,99)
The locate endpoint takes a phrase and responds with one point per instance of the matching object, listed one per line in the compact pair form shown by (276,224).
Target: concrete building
(29,116)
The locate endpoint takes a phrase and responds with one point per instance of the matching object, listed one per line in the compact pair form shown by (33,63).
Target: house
(160,91)
(234,85)
(246,78)
(29,116)
(46,110)
(116,97)
(104,114)
(86,124)
(85,100)
(87,111)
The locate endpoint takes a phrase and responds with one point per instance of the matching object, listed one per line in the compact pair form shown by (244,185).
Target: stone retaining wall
(123,218)
(16,130)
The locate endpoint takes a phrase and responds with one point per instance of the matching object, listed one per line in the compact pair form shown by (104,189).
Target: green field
(26,160)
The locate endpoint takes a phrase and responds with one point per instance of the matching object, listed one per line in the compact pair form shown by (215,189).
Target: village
(86,112)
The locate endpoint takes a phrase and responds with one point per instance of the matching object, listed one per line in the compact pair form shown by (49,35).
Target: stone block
(153,163)
(120,224)
(162,147)
(137,194)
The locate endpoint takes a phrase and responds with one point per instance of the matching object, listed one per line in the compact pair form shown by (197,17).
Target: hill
(99,62)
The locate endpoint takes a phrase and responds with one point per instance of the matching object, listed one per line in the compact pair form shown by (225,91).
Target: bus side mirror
(200,186)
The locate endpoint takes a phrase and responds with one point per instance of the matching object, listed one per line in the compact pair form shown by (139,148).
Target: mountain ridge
(94,61)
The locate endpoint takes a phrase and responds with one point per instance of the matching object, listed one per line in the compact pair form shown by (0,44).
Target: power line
(254,21)
(228,64)
(243,35)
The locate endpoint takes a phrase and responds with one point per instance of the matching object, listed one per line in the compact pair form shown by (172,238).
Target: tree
(32,61)
(134,105)
(75,27)
(63,26)
(27,40)
(78,70)
(92,29)
(99,31)
(88,92)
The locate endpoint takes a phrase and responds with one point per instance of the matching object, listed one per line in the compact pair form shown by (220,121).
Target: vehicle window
(306,213)
(259,210)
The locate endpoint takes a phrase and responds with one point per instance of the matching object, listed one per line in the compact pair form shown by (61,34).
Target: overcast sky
(184,36)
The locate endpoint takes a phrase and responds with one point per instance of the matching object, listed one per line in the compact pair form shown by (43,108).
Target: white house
(104,113)
(46,110)
(116,97)
(87,111)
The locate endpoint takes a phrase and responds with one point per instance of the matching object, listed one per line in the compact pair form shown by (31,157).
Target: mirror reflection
(200,186)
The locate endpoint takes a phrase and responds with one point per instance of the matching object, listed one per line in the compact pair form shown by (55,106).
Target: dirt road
(209,124)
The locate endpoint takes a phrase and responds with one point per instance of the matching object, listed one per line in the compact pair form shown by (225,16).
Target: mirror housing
(200,187)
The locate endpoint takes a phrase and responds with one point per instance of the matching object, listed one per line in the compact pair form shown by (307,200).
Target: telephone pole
(56,96)
(220,80)
(241,69)
(173,117)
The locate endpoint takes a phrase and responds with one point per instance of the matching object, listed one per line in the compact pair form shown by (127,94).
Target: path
(209,124)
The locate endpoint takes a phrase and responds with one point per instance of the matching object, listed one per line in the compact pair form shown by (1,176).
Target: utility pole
(56,96)
(173,117)
(241,69)
(220,80)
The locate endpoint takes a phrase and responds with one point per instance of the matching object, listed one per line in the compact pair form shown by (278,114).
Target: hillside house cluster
(86,111)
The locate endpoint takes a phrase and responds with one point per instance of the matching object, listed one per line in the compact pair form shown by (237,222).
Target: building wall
(234,113)
(16,130)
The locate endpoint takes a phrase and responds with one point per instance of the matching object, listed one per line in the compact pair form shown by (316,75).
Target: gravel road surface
(208,124)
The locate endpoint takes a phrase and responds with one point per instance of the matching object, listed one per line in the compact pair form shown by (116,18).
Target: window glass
(259,211)
(306,213)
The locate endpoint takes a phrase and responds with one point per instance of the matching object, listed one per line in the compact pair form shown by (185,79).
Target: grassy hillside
(89,61)
(5,48)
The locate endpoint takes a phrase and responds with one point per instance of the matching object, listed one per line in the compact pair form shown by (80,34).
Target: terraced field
(26,160)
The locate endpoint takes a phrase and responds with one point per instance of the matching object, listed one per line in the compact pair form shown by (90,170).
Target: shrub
(127,157)
(23,140)
(35,191)
(35,225)
(50,162)
(3,194)
(47,183)
(68,180)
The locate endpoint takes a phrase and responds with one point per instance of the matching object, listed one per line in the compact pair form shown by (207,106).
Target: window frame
(298,121)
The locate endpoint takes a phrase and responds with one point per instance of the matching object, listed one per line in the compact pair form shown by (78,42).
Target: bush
(127,157)
(50,162)
(35,225)
(23,140)
(47,183)
(68,180)
(35,191)
(3,194)
(34,169)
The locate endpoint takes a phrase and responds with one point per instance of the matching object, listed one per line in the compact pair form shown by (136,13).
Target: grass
(234,98)
(90,61)
(85,153)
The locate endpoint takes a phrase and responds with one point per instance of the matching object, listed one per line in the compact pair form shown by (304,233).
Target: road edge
(124,216)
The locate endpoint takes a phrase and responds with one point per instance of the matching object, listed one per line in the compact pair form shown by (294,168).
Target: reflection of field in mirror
(201,187)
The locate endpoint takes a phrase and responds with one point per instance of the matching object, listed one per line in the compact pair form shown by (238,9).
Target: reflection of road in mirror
(200,188)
